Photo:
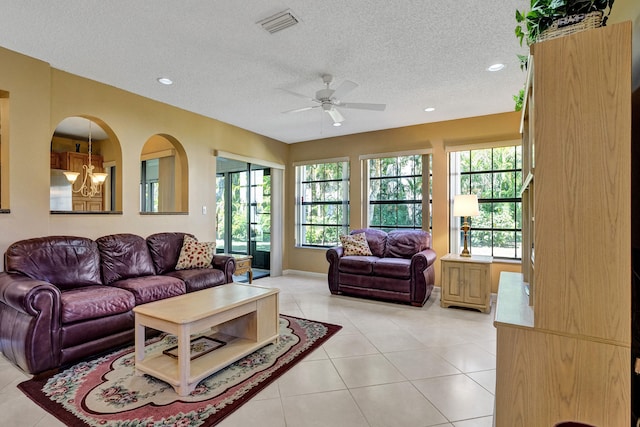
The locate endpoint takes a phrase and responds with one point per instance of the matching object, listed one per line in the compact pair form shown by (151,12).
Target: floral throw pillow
(355,244)
(195,254)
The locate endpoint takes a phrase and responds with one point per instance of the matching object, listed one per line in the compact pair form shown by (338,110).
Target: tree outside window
(322,203)
(495,176)
(395,192)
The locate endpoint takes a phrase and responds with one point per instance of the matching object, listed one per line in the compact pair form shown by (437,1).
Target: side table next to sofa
(466,282)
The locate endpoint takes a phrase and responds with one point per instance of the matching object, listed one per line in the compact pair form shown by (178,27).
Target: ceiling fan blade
(297,110)
(335,115)
(344,88)
(363,106)
(299,95)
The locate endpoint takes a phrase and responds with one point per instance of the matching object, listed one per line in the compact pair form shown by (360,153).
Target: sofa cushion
(393,267)
(93,302)
(65,261)
(93,333)
(377,240)
(152,288)
(124,256)
(406,243)
(355,244)
(376,286)
(199,279)
(165,249)
(195,254)
(357,264)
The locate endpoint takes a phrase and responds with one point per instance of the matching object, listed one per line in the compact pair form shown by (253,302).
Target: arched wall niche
(164,176)
(70,152)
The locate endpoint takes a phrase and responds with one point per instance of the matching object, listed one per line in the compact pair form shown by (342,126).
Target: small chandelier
(92,181)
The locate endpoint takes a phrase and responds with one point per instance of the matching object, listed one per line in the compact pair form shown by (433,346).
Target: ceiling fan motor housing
(324,94)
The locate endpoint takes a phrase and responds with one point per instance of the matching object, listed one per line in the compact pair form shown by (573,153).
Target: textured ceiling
(406,54)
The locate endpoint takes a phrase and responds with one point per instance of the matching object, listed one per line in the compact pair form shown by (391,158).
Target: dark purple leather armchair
(64,298)
(401,268)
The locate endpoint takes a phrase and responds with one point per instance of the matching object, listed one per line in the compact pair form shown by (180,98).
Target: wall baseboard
(303,273)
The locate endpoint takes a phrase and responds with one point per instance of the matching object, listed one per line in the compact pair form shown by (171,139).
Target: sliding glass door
(243,213)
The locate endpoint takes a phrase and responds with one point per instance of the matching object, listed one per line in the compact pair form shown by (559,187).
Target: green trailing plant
(543,12)
(523,62)
(541,16)
(519,100)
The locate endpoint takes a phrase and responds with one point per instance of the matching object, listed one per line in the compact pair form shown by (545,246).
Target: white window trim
(158,154)
(245,159)
(321,161)
(395,154)
(479,146)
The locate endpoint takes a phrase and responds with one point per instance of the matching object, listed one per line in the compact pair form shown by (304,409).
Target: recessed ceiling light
(165,80)
(495,67)
(429,109)
(337,124)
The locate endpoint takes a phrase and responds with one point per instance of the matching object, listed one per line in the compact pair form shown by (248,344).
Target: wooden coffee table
(245,318)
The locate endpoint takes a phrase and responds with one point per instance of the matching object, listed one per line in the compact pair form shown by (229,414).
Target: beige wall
(40,97)
(434,136)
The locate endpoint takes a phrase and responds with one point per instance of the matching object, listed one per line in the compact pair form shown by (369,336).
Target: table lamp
(465,205)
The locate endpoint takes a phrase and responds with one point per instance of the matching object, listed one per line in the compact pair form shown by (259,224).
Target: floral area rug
(106,391)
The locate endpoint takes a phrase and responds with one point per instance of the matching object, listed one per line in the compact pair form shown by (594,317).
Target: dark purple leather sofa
(63,298)
(401,268)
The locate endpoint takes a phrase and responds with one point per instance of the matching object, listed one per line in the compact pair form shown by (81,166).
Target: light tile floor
(390,366)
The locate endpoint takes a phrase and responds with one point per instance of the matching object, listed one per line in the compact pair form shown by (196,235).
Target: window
(395,192)
(149,191)
(495,176)
(260,202)
(322,193)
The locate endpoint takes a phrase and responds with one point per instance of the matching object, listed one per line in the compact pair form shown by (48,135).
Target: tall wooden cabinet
(563,348)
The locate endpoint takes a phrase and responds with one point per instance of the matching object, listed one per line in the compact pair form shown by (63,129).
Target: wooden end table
(466,282)
(243,265)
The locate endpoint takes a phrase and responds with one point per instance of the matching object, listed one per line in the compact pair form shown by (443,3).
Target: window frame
(342,224)
(149,188)
(425,202)
(455,237)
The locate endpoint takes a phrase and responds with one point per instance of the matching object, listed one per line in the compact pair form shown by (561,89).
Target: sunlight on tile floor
(390,366)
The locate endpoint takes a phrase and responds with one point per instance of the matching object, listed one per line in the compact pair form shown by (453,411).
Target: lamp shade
(98,177)
(71,176)
(465,205)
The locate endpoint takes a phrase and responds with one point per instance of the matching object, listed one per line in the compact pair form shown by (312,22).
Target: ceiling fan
(328,99)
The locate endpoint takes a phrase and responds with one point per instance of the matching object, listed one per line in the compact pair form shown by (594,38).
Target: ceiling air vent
(279,21)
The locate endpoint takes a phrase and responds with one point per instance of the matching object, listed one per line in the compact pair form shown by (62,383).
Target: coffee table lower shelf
(167,369)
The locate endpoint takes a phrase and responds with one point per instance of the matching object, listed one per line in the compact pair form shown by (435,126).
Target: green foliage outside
(494,175)
(324,216)
(259,206)
(395,192)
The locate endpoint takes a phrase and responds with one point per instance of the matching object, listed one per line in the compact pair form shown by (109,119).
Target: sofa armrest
(426,257)
(30,312)
(333,256)
(225,263)
(422,276)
